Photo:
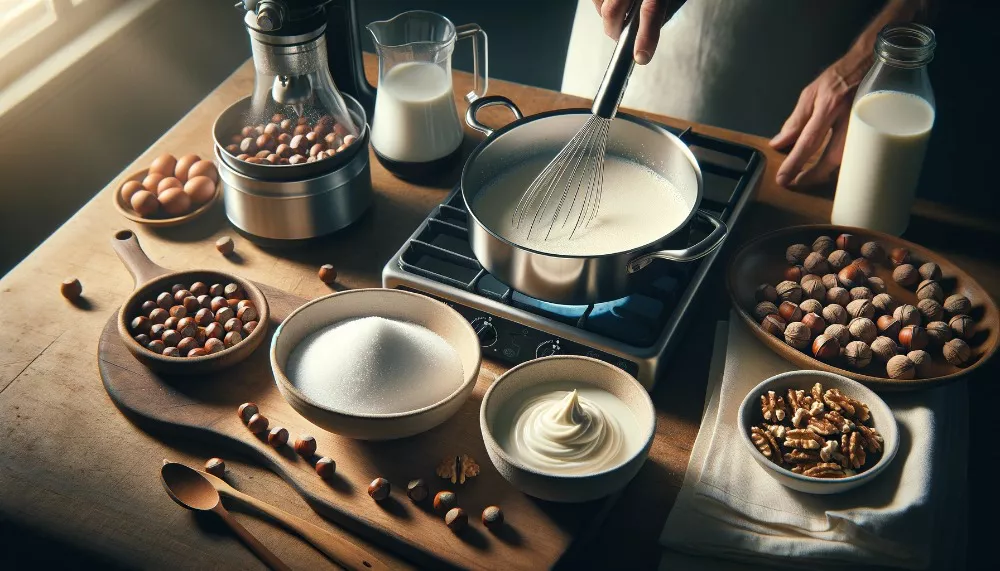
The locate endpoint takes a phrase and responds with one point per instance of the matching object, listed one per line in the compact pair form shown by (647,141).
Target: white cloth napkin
(912,516)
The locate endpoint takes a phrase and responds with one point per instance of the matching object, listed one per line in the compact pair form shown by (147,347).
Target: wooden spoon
(192,490)
(340,550)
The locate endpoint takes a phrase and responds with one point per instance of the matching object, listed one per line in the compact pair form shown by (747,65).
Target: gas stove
(635,333)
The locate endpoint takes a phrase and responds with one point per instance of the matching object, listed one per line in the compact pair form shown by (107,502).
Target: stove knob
(485,330)
(547,348)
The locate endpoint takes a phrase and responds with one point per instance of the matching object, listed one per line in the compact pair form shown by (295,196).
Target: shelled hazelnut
(170,190)
(327,274)
(225,245)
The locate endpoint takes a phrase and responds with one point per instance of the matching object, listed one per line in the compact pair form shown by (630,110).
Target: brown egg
(128,189)
(184,165)
(200,189)
(151,181)
(144,203)
(204,168)
(168,182)
(174,201)
(164,164)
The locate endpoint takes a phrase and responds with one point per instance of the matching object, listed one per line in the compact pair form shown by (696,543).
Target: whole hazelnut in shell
(815,263)
(797,335)
(834,313)
(912,338)
(863,329)
(763,309)
(851,276)
(899,256)
(865,266)
(962,326)
(814,322)
(789,291)
(830,281)
(905,275)
(492,517)
(825,347)
(858,354)
(861,292)
(907,315)
(930,271)
(444,501)
(379,489)
(884,303)
(873,251)
(888,326)
(921,360)
(795,273)
(838,295)
(938,333)
(839,332)
(824,245)
(811,306)
(957,305)
(839,259)
(957,352)
(884,348)
(456,519)
(861,308)
(814,290)
(930,289)
(789,312)
(796,254)
(931,310)
(876,284)
(848,242)
(774,325)
(900,367)
(766,292)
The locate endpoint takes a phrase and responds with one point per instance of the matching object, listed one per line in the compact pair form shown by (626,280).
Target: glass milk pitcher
(416,132)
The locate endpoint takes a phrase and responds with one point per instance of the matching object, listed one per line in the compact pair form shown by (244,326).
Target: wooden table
(73,470)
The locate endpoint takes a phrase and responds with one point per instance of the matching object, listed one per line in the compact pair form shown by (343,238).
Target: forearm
(859,58)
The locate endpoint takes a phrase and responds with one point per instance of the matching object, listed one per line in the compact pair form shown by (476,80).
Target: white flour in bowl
(638,206)
(373,365)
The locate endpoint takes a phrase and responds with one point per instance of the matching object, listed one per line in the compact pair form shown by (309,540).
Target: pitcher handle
(479,62)
(699,250)
(474,122)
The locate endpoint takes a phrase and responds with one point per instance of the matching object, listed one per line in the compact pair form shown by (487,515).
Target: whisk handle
(609,95)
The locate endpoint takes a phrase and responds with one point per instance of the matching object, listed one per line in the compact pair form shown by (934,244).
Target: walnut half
(458,468)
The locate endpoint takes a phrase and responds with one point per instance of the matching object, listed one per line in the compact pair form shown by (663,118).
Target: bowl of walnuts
(872,307)
(818,432)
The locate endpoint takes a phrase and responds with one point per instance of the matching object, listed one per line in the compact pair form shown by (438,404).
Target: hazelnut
(930,309)
(938,333)
(247,410)
(180,295)
(815,263)
(839,332)
(838,260)
(797,335)
(921,361)
(416,490)
(905,275)
(851,276)
(957,305)
(204,317)
(214,331)
(232,291)
(247,313)
(326,467)
(445,500)
(198,288)
(899,256)
(774,325)
(795,273)
(178,312)
(248,328)
(160,316)
(456,519)
(165,300)
(814,322)
(278,437)
(789,312)
(191,304)
(900,367)
(930,289)
(863,329)
(224,314)
(962,326)
(140,325)
(834,313)
(789,291)
(71,289)
(884,303)
(876,284)
(848,242)
(142,339)
(763,309)
(830,281)
(232,338)
(187,327)
(305,446)
(825,347)
(257,423)
(861,308)
(913,338)
(171,352)
(200,337)
(824,245)
(328,274)
(930,271)
(218,303)
(379,489)
(838,295)
(873,251)
(861,292)
(765,292)
(148,306)
(225,245)
(156,331)
(884,348)
(216,467)
(171,323)
(216,290)
(796,254)
(170,338)
(858,354)
(492,518)
(233,324)
(907,315)
(814,290)
(213,345)
(186,345)
(865,266)
(811,306)
(888,326)
(957,352)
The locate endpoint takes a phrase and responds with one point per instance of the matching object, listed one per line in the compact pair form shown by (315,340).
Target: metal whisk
(579,167)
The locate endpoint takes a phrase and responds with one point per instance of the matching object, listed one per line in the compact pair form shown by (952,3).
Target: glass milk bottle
(890,123)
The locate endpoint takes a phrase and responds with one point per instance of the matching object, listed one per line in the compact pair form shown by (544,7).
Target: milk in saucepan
(415,115)
(886,140)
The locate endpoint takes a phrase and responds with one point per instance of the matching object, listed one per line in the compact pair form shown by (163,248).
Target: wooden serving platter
(763,261)
(537,535)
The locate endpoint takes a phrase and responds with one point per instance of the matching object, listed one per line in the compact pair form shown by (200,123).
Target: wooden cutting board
(537,534)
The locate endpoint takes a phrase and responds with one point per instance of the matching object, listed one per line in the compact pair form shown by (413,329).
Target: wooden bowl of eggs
(170,192)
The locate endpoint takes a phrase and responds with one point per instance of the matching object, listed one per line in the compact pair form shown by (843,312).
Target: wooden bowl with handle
(763,261)
(151,279)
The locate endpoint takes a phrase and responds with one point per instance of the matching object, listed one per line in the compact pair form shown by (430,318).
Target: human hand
(652,15)
(824,108)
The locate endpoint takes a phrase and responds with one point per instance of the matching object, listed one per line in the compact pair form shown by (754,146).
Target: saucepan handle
(699,250)
(126,245)
(474,107)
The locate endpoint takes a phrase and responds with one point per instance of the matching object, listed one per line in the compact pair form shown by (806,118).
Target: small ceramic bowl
(562,370)
(882,419)
(159,220)
(391,304)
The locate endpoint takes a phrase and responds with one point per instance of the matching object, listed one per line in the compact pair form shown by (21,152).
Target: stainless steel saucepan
(575,279)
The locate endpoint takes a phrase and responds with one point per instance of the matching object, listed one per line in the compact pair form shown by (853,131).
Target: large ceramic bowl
(561,372)
(390,304)
(882,419)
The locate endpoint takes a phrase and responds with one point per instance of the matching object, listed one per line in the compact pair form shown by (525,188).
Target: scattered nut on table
(225,245)
(257,423)
(492,518)
(379,489)
(445,500)
(278,437)
(247,410)
(216,467)
(416,490)
(456,519)
(326,467)
(305,446)
(71,289)
(327,273)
